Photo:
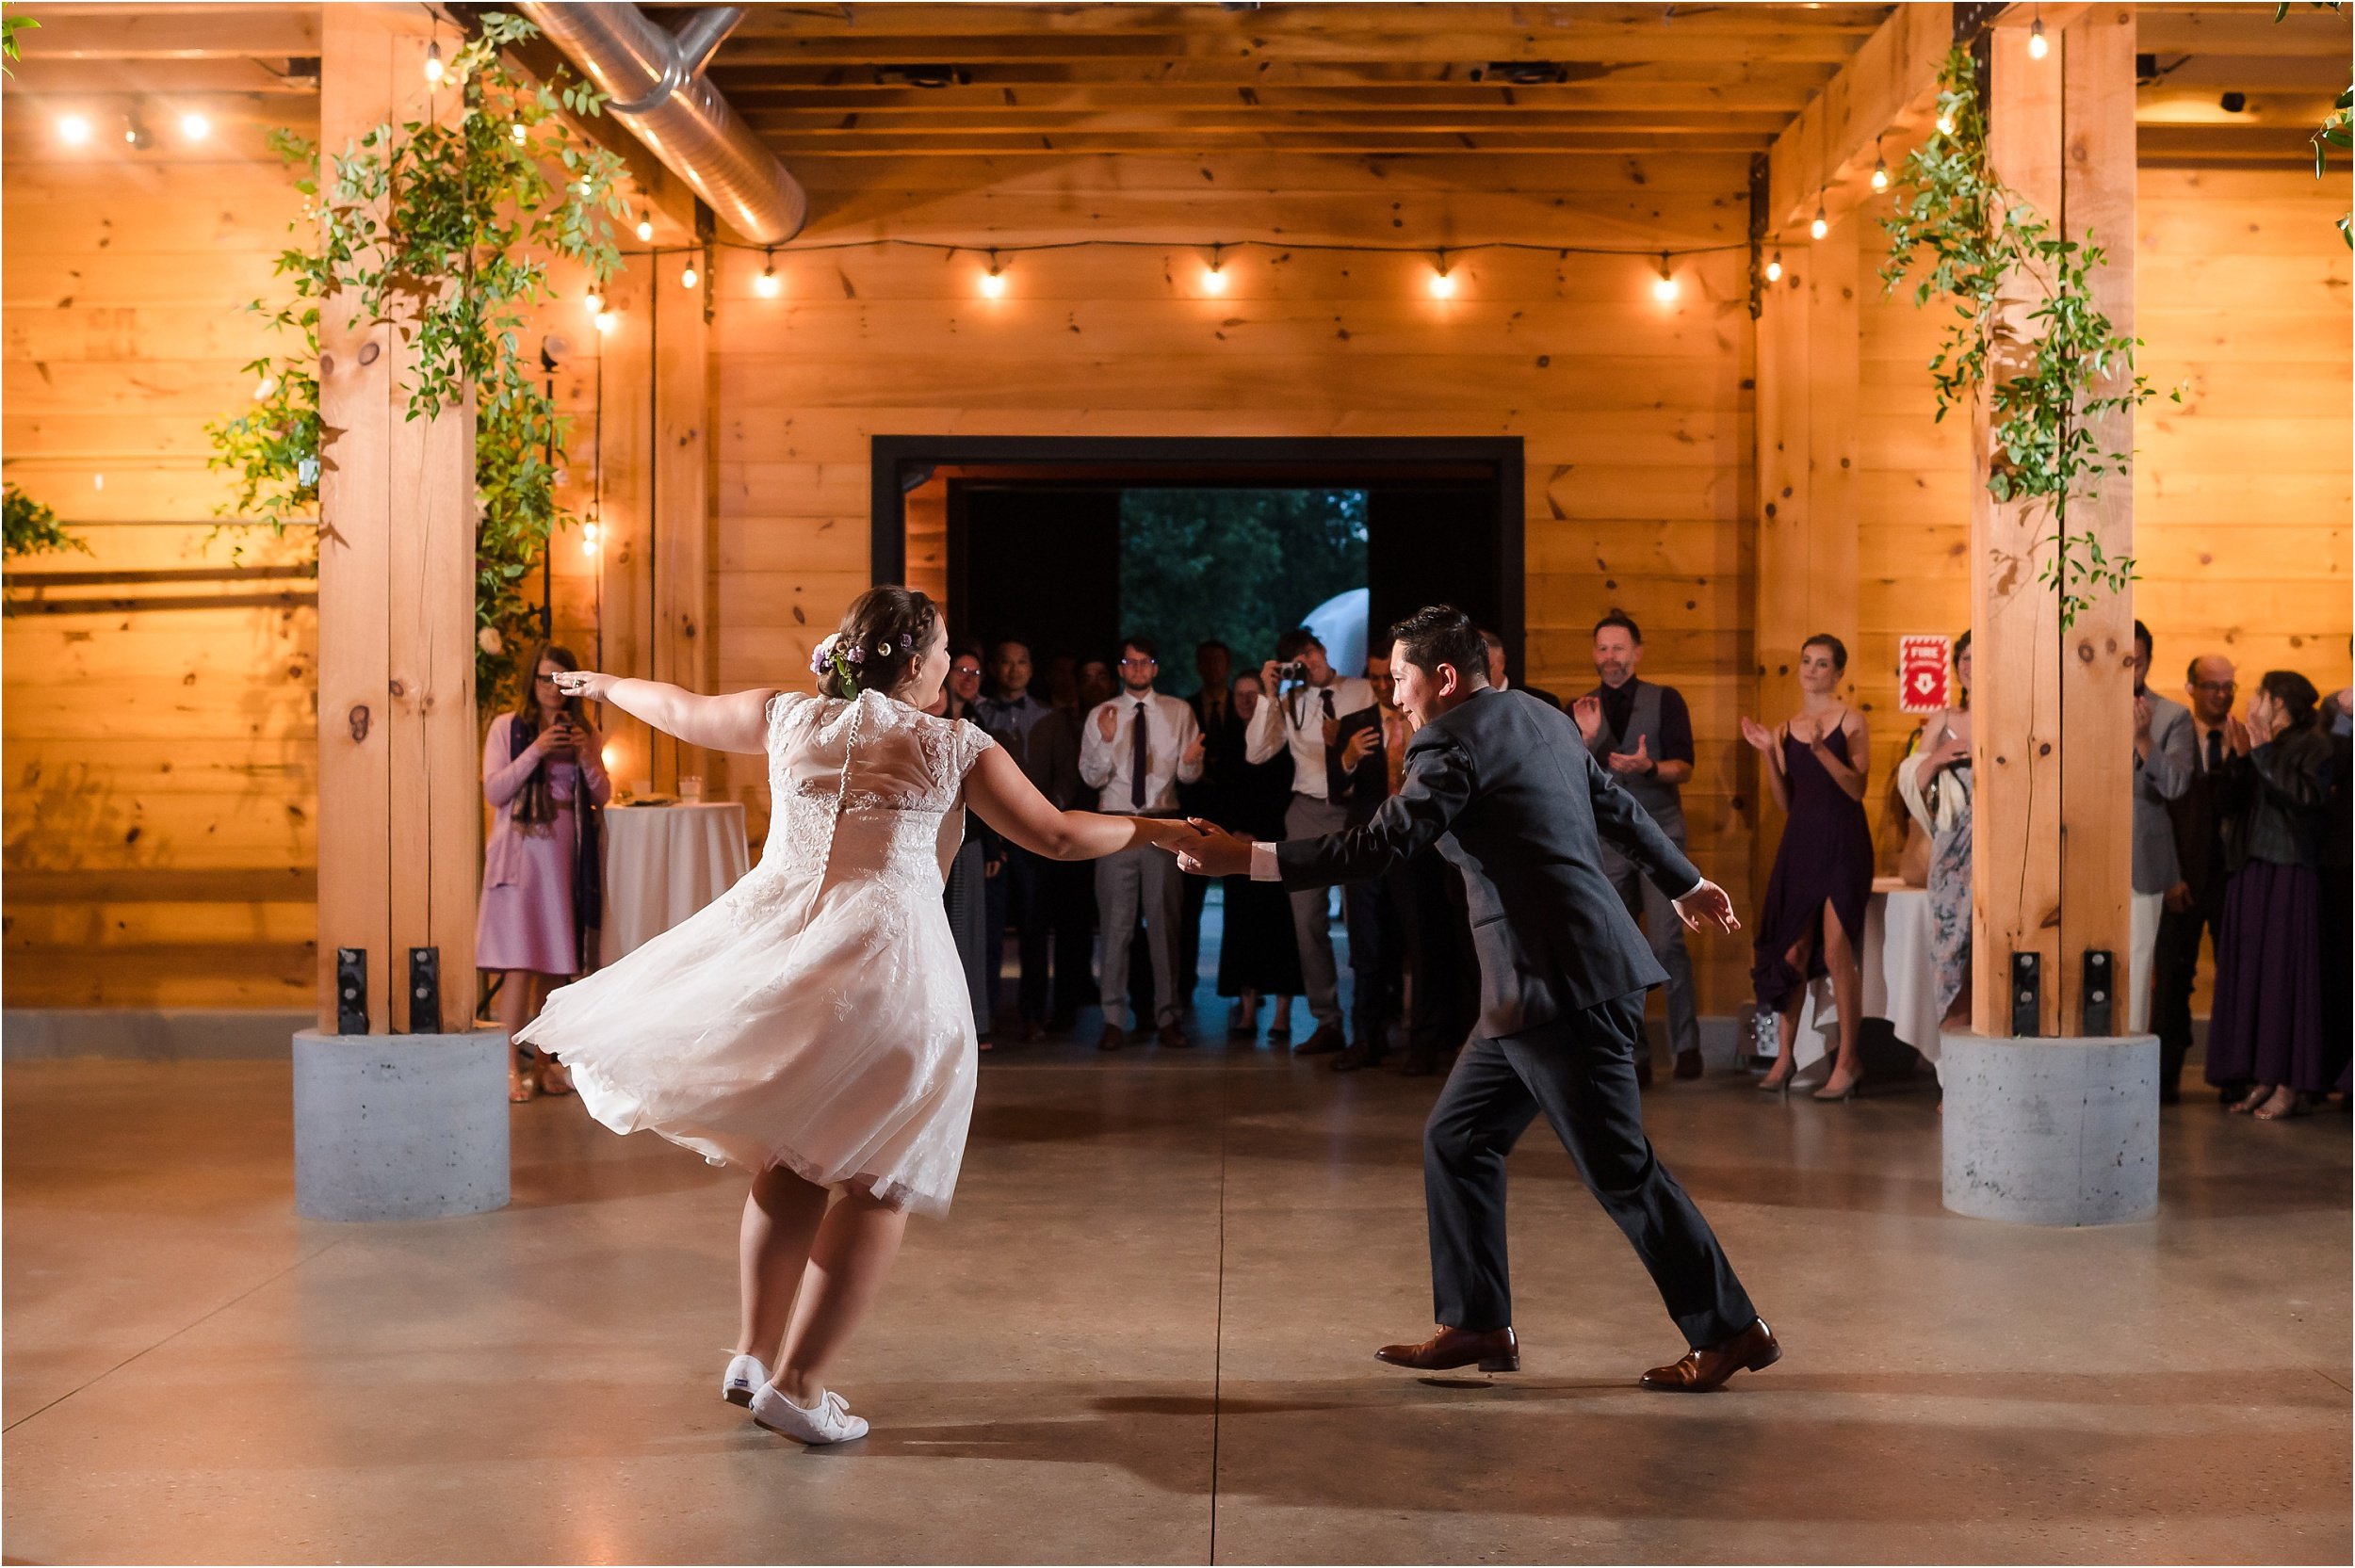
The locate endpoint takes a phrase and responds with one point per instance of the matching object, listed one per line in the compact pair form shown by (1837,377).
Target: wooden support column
(684,543)
(626,507)
(399,789)
(1806,561)
(2051,853)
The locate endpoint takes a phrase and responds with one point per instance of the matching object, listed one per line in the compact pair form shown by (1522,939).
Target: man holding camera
(1306,719)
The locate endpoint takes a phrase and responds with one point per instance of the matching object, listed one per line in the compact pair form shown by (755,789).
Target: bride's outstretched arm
(1007,802)
(738,721)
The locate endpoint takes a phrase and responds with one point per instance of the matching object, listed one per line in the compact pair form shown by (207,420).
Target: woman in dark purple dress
(1812,921)
(2265,1026)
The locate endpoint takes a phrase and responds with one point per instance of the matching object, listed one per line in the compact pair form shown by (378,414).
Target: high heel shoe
(1827,1094)
(1769,1085)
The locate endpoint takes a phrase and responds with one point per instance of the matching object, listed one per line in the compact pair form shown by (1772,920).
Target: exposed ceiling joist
(171,32)
(1889,90)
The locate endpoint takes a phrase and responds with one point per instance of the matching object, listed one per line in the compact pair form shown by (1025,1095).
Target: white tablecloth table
(1900,978)
(664,863)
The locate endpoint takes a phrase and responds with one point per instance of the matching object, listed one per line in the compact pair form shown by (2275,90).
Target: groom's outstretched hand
(1216,854)
(1708,909)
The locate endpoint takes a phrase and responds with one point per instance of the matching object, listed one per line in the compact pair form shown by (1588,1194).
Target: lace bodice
(901,818)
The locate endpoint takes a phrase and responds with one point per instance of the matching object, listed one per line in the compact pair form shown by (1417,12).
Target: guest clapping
(1935,784)
(2165,762)
(1813,916)
(2264,1028)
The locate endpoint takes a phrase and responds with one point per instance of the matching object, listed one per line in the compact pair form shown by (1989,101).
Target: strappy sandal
(521,1089)
(554,1079)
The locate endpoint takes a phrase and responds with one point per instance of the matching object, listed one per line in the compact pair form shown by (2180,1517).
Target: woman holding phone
(543,773)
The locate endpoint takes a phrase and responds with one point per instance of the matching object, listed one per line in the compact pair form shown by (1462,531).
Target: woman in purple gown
(1812,924)
(543,773)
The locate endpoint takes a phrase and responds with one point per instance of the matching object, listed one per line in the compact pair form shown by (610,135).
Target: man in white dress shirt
(1134,751)
(1306,719)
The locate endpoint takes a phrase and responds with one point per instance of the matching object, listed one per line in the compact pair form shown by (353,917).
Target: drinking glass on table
(690,787)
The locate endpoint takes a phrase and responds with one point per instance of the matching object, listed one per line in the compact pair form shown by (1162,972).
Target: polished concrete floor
(1144,1335)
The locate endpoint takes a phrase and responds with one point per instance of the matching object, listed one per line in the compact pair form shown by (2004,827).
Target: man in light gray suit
(2166,760)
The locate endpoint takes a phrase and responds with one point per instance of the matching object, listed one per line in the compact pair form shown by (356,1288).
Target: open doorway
(1068,542)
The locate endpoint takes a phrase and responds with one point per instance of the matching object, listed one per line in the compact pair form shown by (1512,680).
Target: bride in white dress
(812,1025)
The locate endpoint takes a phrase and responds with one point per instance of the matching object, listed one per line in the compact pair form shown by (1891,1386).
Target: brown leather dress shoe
(1112,1039)
(1173,1035)
(1495,1349)
(1753,1350)
(1326,1041)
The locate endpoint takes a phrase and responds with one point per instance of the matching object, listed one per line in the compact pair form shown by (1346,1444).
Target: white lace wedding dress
(814,1017)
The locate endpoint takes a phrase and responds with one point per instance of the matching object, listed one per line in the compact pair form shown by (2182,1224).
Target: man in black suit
(1507,789)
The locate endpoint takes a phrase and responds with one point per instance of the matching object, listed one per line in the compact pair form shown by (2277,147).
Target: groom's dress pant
(1578,1072)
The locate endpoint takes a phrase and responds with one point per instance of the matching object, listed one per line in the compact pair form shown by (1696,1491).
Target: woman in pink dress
(543,773)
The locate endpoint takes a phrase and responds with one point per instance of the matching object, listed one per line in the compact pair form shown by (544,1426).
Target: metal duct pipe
(652,77)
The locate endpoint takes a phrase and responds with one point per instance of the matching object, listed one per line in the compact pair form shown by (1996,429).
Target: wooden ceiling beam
(1324,20)
(1825,47)
(1593,98)
(854,143)
(169,32)
(1155,120)
(1889,91)
(1799,78)
(157,77)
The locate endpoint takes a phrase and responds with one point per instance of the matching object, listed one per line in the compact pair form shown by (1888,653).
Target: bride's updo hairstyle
(881,636)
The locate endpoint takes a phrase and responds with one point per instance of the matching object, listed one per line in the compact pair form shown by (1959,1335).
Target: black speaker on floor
(425,991)
(351,991)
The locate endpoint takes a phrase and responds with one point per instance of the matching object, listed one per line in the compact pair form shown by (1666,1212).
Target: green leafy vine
(447,228)
(1965,235)
(33,530)
(2337,128)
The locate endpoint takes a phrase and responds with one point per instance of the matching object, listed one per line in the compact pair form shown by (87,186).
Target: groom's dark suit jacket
(1507,786)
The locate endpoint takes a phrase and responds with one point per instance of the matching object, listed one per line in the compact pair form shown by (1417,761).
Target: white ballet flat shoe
(830,1422)
(743,1378)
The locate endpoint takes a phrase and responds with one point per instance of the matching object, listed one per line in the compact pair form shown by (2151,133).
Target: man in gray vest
(1643,734)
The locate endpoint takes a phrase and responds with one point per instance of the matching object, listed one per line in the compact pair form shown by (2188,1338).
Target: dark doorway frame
(902,462)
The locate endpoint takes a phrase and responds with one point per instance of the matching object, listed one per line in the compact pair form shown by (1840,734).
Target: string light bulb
(1822,225)
(2039,45)
(74,129)
(606,321)
(134,132)
(1215,276)
(688,276)
(1947,123)
(590,536)
(195,126)
(769,286)
(1664,287)
(518,131)
(593,302)
(1773,268)
(993,282)
(433,62)
(645,223)
(1442,281)
(1881,167)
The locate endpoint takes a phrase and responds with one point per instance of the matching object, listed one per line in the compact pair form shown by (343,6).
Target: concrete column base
(399,1126)
(2052,1132)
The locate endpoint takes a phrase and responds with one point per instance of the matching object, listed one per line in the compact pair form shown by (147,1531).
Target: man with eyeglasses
(1134,751)
(2193,905)
(1306,719)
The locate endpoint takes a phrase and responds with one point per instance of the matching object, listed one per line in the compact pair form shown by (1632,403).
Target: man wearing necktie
(2195,903)
(1307,719)
(1134,751)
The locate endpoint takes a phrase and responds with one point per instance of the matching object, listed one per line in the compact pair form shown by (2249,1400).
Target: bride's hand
(1215,852)
(589,684)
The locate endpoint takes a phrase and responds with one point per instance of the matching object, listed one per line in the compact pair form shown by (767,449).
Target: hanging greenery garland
(448,227)
(1966,236)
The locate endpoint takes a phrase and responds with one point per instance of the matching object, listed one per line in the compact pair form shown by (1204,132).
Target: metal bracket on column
(2028,995)
(2101,992)
(425,991)
(351,991)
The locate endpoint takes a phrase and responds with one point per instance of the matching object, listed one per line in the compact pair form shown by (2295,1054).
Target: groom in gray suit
(1505,787)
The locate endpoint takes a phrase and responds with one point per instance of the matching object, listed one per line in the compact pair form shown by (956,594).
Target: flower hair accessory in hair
(837,654)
